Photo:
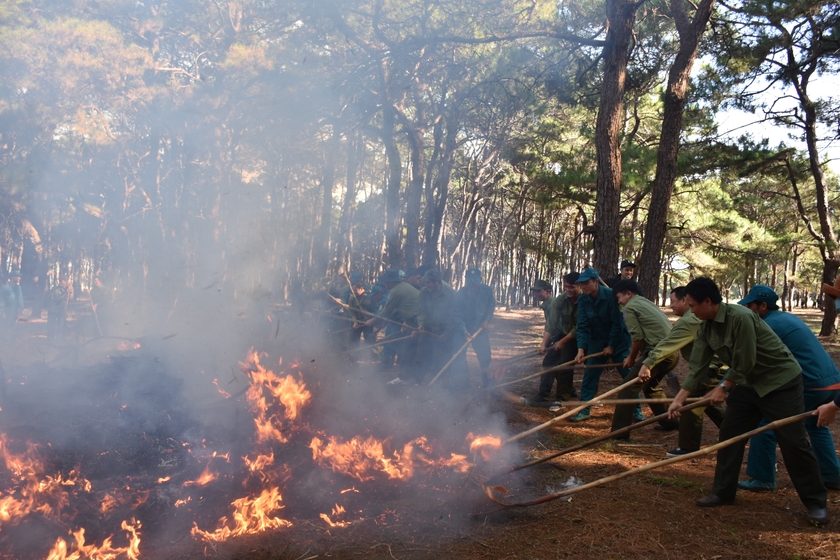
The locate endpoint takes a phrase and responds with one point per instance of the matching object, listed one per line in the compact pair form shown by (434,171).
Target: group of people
(56,301)
(765,365)
(426,322)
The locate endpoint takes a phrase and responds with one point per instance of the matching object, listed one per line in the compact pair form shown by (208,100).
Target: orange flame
(105,552)
(251,515)
(205,478)
(292,394)
(362,457)
(484,444)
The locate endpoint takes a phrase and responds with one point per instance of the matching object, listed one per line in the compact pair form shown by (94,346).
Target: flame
(484,444)
(105,552)
(362,457)
(291,393)
(337,510)
(206,477)
(33,490)
(222,392)
(251,515)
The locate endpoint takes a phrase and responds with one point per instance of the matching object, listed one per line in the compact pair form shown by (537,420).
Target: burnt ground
(650,514)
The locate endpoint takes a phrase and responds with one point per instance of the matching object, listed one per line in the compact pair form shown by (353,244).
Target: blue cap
(473,276)
(377,289)
(760,293)
(587,274)
(356,278)
(391,275)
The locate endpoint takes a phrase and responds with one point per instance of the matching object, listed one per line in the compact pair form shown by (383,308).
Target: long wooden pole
(593,441)
(705,451)
(455,355)
(570,413)
(566,366)
(368,313)
(381,343)
(614,402)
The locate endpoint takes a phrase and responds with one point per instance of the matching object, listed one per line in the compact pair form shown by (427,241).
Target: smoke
(176,406)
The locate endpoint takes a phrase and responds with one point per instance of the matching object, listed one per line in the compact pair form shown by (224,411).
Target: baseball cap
(760,293)
(473,276)
(587,274)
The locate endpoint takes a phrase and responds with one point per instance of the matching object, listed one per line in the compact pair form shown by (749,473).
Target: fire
(337,510)
(205,478)
(292,394)
(32,489)
(362,457)
(484,444)
(105,552)
(251,515)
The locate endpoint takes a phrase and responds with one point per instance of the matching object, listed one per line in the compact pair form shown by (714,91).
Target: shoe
(755,485)
(713,500)
(832,485)
(638,416)
(555,406)
(679,452)
(667,427)
(396,381)
(818,516)
(580,416)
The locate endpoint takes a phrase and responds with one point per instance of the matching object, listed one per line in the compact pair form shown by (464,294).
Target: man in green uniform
(441,332)
(559,344)
(647,325)
(403,303)
(681,338)
(763,380)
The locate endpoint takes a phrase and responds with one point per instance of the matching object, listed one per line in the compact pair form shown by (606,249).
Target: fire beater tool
(593,441)
(488,490)
(572,364)
(369,314)
(455,355)
(570,413)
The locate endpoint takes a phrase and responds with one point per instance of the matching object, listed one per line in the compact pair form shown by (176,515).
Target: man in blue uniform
(822,385)
(600,328)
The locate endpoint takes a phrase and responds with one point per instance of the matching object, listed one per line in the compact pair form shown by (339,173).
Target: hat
(587,274)
(377,289)
(431,275)
(473,276)
(356,278)
(832,291)
(760,293)
(625,264)
(390,275)
(541,285)
(14,273)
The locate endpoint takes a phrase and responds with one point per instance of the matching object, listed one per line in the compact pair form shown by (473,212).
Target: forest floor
(648,515)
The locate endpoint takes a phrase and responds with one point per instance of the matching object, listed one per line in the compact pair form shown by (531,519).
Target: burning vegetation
(127,469)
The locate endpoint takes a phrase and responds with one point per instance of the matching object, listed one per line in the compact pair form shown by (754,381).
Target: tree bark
(621,15)
(690,32)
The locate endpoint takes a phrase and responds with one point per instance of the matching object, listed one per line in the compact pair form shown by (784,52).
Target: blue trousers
(761,461)
(591,377)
